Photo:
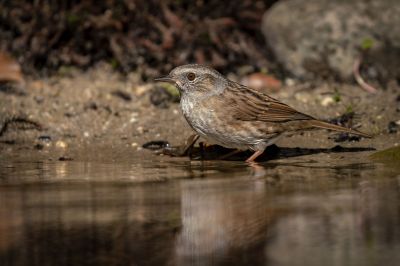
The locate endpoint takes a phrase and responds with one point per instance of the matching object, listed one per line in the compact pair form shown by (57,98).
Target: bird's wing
(250,105)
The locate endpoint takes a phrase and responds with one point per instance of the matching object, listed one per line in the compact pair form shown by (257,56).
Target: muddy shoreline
(83,112)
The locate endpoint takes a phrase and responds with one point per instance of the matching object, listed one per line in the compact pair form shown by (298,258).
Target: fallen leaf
(10,70)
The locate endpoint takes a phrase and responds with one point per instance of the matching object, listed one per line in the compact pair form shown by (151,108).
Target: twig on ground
(21,123)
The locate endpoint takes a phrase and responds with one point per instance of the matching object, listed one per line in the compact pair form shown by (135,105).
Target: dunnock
(235,116)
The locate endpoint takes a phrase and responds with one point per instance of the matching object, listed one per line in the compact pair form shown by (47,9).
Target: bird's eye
(191,76)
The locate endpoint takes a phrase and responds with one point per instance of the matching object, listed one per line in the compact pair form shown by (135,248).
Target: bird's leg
(254,156)
(201,150)
(225,156)
(189,145)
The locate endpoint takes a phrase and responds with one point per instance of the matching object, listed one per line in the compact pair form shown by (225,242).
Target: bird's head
(195,79)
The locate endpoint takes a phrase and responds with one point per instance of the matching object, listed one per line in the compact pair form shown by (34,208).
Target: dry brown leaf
(10,70)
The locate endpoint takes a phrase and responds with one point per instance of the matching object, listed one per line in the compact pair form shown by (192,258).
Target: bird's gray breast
(198,117)
(197,112)
(208,124)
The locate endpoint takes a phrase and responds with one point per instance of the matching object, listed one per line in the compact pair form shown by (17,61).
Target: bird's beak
(165,79)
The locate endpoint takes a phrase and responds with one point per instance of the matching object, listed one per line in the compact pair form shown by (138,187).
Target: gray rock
(323,38)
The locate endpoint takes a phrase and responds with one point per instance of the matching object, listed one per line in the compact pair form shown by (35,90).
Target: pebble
(290,82)
(393,127)
(302,97)
(327,101)
(134,116)
(156,144)
(134,144)
(140,130)
(61,144)
(124,95)
(39,99)
(39,146)
(140,90)
(44,138)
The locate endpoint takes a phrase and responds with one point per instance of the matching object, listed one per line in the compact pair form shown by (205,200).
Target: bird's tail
(326,125)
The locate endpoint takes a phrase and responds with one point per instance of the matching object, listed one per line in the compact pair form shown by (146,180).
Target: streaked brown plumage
(235,116)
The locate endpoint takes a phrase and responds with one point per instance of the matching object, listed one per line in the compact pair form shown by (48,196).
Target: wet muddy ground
(77,188)
(76,112)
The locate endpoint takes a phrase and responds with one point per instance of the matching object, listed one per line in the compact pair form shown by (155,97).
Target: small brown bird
(235,116)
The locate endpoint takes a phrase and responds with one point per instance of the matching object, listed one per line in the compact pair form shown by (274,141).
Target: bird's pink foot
(254,156)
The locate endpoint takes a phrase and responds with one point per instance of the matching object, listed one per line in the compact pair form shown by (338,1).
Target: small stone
(39,99)
(327,101)
(302,97)
(140,90)
(69,114)
(140,130)
(91,105)
(156,144)
(122,95)
(393,127)
(133,118)
(61,144)
(39,146)
(44,138)
(290,82)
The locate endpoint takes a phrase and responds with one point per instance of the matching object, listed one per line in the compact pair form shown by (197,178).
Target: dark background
(149,36)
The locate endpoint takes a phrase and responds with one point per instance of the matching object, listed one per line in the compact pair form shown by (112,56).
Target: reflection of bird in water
(10,218)
(223,223)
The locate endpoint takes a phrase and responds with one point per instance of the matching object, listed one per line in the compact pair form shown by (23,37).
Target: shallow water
(299,211)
